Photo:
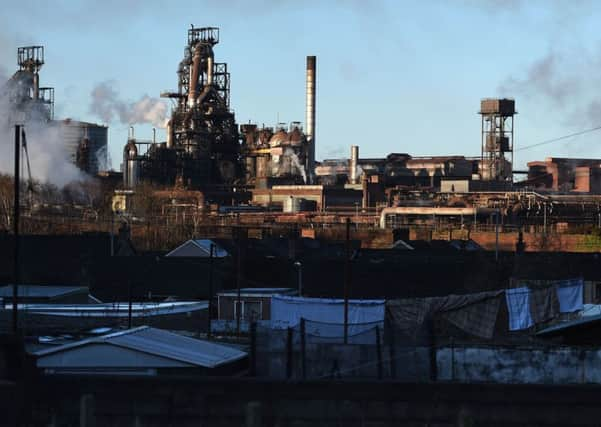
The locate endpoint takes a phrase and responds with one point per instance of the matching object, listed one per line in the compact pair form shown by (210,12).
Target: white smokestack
(310,114)
(354,164)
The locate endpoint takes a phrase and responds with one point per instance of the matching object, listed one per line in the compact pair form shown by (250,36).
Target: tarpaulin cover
(518,307)
(287,311)
(473,313)
(544,304)
(569,293)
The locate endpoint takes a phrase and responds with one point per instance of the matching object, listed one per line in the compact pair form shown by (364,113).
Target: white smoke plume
(288,152)
(103,158)
(107,105)
(48,155)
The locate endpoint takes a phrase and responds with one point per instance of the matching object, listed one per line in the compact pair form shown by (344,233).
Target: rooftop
(37,291)
(157,342)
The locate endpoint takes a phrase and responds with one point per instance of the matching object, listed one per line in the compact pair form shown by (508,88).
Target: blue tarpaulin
(287,311)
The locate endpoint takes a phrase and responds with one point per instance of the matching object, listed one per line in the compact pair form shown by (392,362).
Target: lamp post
(299,269)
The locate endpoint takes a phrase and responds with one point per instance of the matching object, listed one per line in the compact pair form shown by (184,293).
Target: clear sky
(393,76)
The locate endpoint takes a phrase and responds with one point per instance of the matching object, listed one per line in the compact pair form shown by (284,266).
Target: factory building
(565,174)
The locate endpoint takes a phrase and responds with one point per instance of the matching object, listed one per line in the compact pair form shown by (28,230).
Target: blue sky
(393,76)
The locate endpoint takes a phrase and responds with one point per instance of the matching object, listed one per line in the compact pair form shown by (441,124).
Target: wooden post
(254,414)
(238,303)
(129,307)
(289,353)
(253,349)
(303,349)
(347,277)
(86,411)
(379,352)
(211,255)
(16,215)
(391,350)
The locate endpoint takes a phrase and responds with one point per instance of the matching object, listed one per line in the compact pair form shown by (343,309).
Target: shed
(141,351)
(255,303)
(48,294)
(198,248)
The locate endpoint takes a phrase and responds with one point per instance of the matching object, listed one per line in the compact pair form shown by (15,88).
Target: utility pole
(211,255)
(544,218)
(239,281)
(129,304)
(16,215)
(299,271)
(347,277)
(497,235)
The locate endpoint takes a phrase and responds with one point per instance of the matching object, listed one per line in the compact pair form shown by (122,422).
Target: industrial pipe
(426,211)
(310,115)
(169,134)
(210,69)
(194,72)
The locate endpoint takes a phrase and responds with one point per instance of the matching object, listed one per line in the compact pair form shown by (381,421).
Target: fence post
(379,351)
(253,349)
(391,349)
(289,353)
(432,334)
(303,349)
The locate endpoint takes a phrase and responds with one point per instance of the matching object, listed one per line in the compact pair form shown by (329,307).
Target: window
(249,310)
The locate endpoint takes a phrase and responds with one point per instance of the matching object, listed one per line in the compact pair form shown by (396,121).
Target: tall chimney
(310,116)
(353,165)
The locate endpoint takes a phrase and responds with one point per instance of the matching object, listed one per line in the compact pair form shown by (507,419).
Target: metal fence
(317,350)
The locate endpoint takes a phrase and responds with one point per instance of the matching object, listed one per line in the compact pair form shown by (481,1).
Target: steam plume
(107,105)
(45,145)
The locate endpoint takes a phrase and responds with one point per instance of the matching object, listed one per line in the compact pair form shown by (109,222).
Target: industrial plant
(209,161)
(224,276)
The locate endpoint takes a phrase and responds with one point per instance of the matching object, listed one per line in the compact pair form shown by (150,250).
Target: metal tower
(497,139)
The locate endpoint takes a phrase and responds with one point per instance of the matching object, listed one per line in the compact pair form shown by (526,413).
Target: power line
(549,141)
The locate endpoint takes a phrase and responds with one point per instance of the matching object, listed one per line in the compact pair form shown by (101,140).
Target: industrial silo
(75,133)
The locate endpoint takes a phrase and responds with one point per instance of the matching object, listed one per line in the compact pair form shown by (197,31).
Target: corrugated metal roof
(572,324)
(113,309)
(161,343)
(264,292)
(37,291)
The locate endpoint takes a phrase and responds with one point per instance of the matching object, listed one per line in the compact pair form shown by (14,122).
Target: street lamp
(299,269)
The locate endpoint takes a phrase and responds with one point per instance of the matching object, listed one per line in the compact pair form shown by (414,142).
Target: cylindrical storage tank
(130,165)
(353,165)
(296,137)
(292,204)
(72,132)
(262,167)
(279,138)
(251,167)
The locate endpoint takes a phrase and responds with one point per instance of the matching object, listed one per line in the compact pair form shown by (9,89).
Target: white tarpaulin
(287,311)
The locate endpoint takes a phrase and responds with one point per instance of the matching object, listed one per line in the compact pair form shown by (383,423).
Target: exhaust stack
(353,165)
(310,115)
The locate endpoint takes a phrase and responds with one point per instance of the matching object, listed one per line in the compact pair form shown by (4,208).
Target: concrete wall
(520,365)
(252,402)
